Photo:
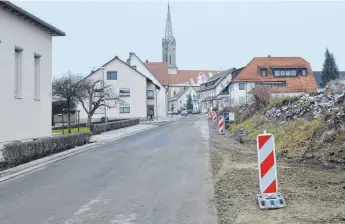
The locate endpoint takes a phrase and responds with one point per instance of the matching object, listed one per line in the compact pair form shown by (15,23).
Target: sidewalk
(121,133)
(96,140)
(162,120)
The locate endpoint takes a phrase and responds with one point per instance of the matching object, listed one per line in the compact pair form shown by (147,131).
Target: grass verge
(73,130)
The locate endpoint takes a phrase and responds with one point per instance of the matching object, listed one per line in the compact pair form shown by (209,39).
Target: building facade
(26,74)
(212,92)
(137,93)
(281,76)
(179,101)
(161,110)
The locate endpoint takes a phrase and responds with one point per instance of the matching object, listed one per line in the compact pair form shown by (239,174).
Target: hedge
(84,124)
(21,152)
(99,128)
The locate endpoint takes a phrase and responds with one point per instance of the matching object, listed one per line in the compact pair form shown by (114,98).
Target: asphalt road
(160,176)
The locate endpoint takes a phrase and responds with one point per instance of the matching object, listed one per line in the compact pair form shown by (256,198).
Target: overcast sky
(209,35)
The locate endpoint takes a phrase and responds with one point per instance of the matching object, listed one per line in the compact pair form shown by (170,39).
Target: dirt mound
(313,195)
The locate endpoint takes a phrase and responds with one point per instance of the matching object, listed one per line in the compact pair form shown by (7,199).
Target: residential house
(26,74)
(137,92)
(161,110)
(211,92)
(179,101)
(281,76)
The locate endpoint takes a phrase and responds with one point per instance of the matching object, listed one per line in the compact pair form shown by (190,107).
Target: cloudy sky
(209,34)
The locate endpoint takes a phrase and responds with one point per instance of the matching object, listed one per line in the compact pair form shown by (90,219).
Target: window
(174,92)
(263,72)
(37,71)
(98,93)
(125,92)
(285,73)
(112,75)
(169,58)
(150,94)
(241,86)
(304,72)
(270,84)
(125,109)
(18,72)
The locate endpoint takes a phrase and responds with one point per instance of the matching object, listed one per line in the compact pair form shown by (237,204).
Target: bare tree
(69,88)
(94,97)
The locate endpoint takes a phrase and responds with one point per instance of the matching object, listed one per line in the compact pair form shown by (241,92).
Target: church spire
(169,44)
(168,28)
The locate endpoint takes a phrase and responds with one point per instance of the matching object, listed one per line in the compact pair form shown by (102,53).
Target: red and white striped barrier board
(267,164)
(215,118)
(209,115)
(221,125)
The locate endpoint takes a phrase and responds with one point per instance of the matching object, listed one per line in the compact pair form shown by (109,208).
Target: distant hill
(318,75)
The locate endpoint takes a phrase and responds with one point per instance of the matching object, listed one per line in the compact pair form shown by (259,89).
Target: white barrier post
(221,125)
(269,198)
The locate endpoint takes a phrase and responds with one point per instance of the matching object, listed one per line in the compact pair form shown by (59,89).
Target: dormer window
(304,72)
(285,72)
(263,72)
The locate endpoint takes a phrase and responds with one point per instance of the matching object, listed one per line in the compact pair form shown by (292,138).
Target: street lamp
(105,108)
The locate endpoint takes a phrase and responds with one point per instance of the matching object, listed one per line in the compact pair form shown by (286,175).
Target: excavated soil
(313,194)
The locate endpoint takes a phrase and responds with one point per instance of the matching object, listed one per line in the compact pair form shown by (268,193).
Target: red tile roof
(251,73)
(160,70)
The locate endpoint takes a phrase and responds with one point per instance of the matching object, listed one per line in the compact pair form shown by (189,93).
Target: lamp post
(105,108)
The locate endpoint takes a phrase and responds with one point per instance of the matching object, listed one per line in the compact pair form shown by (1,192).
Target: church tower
(169,44)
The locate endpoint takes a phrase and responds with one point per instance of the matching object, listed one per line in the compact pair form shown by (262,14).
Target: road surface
(160,176)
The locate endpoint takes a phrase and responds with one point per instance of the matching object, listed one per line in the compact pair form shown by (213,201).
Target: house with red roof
(281,76)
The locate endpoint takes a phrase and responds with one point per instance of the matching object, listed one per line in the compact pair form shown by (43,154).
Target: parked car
(184,113)
(190,111)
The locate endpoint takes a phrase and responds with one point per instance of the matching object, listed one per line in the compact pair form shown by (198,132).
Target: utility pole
(105,108)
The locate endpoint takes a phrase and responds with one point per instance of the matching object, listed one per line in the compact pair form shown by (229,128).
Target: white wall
(126,78)
(24,118)
(162,100)
(182,100)
(238,96)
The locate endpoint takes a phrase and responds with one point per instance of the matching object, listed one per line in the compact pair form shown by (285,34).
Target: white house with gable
(179,101)
(210,92)
(161,111)
(25,74)
(137,92)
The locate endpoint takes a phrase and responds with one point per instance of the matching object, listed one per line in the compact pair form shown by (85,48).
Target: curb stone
(33,165)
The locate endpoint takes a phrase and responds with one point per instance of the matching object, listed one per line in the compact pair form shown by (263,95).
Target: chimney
(147,61)
(128,61)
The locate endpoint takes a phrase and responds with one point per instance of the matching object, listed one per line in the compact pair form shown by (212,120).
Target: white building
(137,92)
(26,74)
(179,101)
(161,111)
(210,91)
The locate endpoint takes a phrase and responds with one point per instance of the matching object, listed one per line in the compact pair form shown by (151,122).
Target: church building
(167,72)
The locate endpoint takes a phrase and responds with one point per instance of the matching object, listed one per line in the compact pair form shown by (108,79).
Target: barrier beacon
(221,125)
(269,197)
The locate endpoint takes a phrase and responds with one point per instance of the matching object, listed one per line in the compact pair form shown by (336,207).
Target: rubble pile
(309,106)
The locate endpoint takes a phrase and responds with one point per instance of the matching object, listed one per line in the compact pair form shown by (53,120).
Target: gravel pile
(309,106)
